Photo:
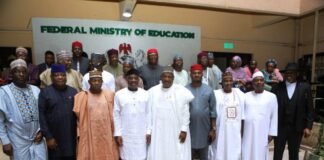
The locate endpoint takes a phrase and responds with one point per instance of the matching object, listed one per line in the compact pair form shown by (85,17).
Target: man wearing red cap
(151,71)
(79,63)
(113,67)
(202,114)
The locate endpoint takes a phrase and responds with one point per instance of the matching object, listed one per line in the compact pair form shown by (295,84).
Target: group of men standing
(197,118)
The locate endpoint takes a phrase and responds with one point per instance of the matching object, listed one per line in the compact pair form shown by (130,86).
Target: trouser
(62,158)
(201,153)
(290,135)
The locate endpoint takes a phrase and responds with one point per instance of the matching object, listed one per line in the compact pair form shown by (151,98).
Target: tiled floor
(2,155)
(301,155)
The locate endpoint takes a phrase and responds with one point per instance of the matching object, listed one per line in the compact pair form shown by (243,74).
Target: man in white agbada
(19,124)
(170,137)
(131,119)
(73,77)
(217,72)
(261,120)
(97,61)
(230,111)
(181,76)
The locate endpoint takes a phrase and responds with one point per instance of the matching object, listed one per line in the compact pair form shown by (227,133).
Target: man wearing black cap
(295,111)
(97,62)
(181,76)
(132,118)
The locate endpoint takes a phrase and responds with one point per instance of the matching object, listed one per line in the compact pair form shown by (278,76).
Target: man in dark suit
(295,113)
(49,60)
(79,62)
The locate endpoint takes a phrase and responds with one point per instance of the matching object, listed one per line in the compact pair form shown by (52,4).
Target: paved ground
(301,155)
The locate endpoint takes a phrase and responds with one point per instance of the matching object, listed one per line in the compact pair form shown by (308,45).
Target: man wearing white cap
(32,70)
(230,113)
(131,118)
(169,104)
(261,120)
(94,112)
(19,123)
(73,77)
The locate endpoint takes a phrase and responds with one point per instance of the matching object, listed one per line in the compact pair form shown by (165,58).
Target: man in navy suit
(295,113)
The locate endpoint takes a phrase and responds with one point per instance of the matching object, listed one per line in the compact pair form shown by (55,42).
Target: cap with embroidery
(63,54)
(21,49)
(95,73)
(18,63)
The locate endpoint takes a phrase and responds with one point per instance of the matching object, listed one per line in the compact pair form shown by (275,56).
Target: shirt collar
(288,84)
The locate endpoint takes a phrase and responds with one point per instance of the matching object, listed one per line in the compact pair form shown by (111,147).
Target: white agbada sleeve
(108,81)
(3,129)
(185,118)
(111,84)
(241,97)
(85,84)
(185,110)
(148,113)
(274,117)
(117,116)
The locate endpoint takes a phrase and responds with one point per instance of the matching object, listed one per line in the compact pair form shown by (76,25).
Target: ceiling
(295,8)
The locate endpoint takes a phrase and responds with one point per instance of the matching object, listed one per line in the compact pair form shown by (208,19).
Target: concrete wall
(307,34)
(270,41)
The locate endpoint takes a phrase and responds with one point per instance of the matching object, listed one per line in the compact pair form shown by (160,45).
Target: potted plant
(318,154)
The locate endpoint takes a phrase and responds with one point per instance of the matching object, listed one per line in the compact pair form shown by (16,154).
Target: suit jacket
(84,65)
(304,105)
(41,68)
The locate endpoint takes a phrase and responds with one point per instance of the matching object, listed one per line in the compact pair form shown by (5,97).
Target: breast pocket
(69,101)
